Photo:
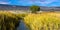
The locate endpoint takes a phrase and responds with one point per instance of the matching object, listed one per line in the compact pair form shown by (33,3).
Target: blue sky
(31,2)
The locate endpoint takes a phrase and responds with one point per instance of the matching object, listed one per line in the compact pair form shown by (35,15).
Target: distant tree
(52,10)
(34,9)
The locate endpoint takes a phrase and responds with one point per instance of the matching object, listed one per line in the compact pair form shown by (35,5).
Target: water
(21,26)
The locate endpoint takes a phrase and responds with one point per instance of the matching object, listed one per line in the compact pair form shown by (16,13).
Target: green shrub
(34,9)
(52,10)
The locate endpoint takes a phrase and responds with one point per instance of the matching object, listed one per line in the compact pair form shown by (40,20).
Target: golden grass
(8,20)
(43,21)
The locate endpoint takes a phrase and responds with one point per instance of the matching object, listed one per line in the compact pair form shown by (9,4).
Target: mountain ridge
(25,6)
(15,7)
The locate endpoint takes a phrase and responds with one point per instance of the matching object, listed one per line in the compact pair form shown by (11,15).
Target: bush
(9,21)
(34,9)
(52,10)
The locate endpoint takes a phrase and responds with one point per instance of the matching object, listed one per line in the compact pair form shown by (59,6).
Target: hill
(15,7)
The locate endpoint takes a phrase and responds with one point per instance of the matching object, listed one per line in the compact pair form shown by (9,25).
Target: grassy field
(43,21)
(39,21)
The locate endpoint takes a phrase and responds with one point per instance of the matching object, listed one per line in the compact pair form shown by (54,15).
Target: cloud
(42,2)
(4,2)
(26,2)
(45,2)
(39,2)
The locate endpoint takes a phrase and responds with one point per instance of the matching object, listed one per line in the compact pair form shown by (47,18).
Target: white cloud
(4,2)
(45,2)
(26,2)
(38,2)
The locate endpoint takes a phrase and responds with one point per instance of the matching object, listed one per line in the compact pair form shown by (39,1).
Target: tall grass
(9,21)
(44,21)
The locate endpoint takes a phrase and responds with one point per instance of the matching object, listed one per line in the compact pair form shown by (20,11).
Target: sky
(31,2)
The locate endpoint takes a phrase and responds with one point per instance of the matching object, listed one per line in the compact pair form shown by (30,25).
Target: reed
(43,21)
(9,21)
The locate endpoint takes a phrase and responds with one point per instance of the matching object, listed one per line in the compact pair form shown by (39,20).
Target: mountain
(15,7)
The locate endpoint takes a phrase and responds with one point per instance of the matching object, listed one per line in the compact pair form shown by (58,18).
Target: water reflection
(21,26)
